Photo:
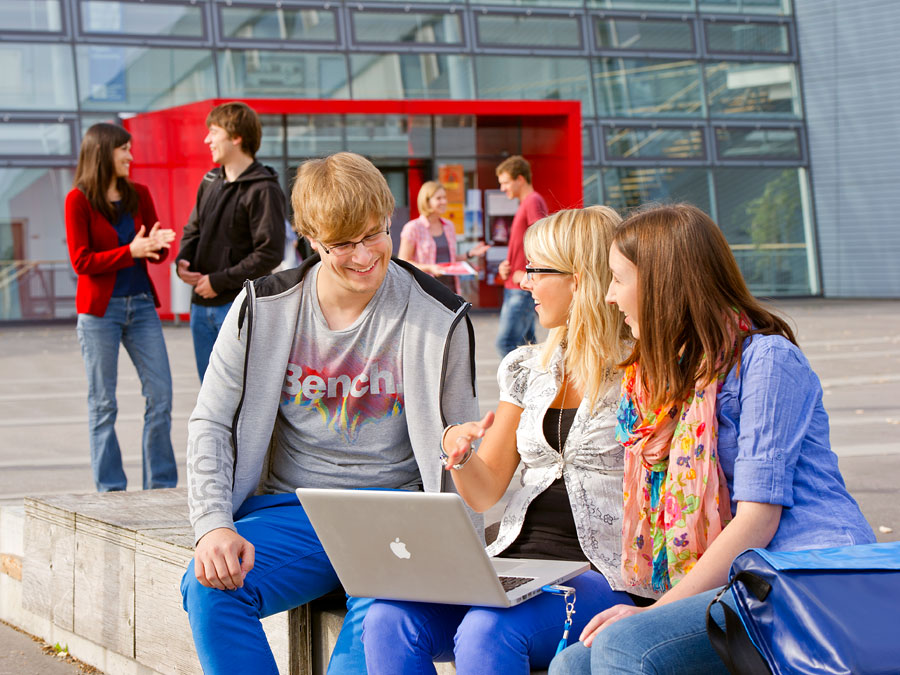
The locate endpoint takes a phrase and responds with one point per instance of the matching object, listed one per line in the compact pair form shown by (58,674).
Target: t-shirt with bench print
(342,419)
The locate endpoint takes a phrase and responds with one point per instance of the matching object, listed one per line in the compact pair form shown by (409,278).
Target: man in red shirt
(517,313)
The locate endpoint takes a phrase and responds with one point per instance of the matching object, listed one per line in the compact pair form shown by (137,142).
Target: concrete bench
(102,572)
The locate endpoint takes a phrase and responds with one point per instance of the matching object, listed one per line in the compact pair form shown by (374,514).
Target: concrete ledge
(101,574)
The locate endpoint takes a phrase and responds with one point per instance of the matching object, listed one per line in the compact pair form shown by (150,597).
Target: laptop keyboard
(510,583)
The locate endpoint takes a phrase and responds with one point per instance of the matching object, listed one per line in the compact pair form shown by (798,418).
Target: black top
(549,532)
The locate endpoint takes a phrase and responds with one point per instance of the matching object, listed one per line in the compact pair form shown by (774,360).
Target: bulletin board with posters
(452,178)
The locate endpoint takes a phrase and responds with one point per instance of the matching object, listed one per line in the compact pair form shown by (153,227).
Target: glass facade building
(694,100)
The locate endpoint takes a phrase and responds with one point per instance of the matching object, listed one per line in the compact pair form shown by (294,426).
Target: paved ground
(854,346)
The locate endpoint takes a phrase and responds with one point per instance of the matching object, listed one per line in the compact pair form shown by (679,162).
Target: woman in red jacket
(112,231)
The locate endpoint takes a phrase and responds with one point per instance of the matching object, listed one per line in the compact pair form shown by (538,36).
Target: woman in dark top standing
(112,231)
(557,415)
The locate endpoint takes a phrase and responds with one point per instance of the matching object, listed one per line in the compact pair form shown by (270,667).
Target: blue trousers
(206,322)
(516,326)
(290,569)
(405,638)
(669,640)
(133,322)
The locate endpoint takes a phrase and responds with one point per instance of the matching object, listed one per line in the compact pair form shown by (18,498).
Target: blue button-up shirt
(774,448)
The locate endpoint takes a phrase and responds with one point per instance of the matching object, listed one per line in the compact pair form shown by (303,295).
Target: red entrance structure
(170,157)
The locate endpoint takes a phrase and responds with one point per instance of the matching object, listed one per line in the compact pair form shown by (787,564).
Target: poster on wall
(106,73)
(452,178)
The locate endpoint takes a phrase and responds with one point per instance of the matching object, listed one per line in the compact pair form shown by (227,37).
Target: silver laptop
(420,546)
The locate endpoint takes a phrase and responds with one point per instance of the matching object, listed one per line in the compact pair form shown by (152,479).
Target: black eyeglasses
(531,271)
(348,247)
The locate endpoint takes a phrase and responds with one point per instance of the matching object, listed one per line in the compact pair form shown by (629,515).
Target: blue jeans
(290,569)
(206,322)
(516,326)
(131,321)
(405,638)
(667,640)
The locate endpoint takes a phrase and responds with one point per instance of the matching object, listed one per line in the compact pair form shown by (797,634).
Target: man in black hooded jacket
(236,230)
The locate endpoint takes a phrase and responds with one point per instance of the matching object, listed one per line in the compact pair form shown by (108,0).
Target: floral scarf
(675,493)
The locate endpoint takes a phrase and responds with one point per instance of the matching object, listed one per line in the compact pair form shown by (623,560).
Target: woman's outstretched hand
(147,245)
(459,438)
(604,619)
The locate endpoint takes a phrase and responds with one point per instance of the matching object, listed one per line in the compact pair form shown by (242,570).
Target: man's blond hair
(336,198)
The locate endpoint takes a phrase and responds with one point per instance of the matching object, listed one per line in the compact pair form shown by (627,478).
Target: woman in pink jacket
(430,239)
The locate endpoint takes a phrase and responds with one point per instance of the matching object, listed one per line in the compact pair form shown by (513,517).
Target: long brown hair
(690,294)
(96,171)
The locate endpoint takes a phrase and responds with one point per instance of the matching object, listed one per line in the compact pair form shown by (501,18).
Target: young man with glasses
(236,230)
(517,311)
(341,373)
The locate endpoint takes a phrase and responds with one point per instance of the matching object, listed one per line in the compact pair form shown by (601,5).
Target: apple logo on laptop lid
(398,548)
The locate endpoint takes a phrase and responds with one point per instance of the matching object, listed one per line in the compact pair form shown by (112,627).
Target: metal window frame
(69,120)
(717,19)
(528,13)
(437,47)
(801,159)
(228,42)
(80,36)
(611,160)
(598,50)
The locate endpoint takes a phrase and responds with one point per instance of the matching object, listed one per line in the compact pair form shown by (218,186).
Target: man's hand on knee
(222,559)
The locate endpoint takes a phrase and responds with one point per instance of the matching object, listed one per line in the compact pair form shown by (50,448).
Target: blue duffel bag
(824,611)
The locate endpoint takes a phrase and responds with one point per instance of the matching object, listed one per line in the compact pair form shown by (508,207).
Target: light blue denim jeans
(516,326)
(668,640)
(206,322)
(133,322)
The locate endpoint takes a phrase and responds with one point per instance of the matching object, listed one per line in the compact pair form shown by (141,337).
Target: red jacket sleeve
(86,241)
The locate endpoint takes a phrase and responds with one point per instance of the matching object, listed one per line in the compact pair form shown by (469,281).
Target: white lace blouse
(591,462)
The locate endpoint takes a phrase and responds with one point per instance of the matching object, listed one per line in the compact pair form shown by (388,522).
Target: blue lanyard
(564,591)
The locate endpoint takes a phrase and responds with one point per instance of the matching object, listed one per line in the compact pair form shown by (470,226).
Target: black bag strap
(733,645)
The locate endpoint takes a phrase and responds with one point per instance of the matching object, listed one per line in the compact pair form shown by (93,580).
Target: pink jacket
(424,249)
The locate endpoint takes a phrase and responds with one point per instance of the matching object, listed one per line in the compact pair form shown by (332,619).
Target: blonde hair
(577,241)
(336,198)
(426,192)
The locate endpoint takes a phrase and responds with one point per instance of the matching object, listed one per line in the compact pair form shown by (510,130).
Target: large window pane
(146,18)
(454,135)
(752,89)
(533,31)
(647,87)
(775,7)
(626,188)
(643,5)
(314,135)
(592,187)
(632,34)
(262,73)
(31,229)
(761,212)
(407,27)
(36,77)
(760,38)
(740,143)
(140,78)
(395,76)
(35,138)
(30,15)
(646,143)
(257,23)
(536,78)
(389,135)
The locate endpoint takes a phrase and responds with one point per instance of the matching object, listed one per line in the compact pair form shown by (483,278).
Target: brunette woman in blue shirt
(726,443)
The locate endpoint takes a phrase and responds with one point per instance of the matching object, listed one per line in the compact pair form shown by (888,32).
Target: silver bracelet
(445,458)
